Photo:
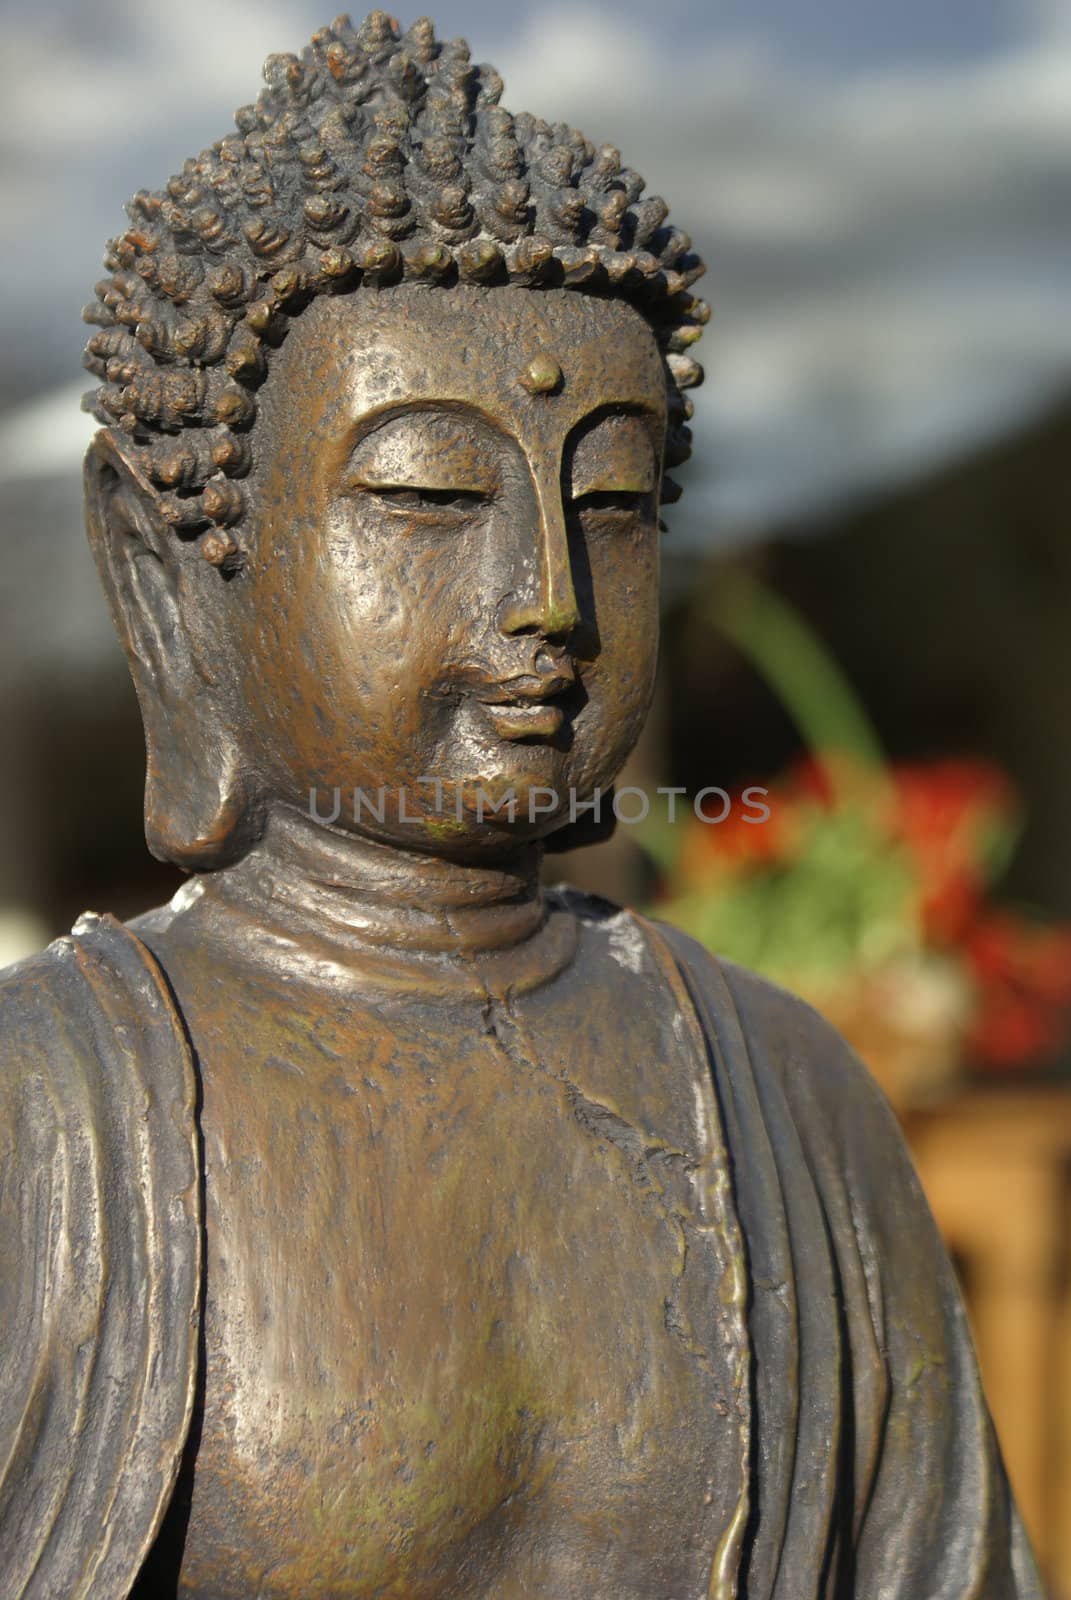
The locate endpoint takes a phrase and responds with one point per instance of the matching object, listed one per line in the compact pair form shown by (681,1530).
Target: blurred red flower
(952,824)
(1023,976)
(952,816)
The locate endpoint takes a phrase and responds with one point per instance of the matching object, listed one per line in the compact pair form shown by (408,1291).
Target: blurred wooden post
(995,1166)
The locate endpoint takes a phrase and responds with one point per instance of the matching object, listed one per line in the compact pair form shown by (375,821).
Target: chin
(523,773)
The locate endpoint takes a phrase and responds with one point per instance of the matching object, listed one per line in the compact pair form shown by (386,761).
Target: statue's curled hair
(375,156)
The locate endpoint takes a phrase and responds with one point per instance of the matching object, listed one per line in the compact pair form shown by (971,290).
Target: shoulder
(795,1059)
(89,1039)
(27,987)
(581,904)
(91,1046)
(40,1001)
(786,1033)
(96,978)
(796,1042)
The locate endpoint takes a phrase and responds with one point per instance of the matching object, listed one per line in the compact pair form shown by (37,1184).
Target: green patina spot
(443,827)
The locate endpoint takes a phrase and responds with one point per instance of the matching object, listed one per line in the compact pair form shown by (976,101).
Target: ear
(200,796)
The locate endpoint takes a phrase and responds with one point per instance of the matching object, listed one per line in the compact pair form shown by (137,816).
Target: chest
(461,1334)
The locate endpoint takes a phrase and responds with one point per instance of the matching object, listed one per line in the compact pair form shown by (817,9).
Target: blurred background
(868,580)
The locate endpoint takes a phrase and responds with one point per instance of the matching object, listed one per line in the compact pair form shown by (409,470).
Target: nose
(547,606)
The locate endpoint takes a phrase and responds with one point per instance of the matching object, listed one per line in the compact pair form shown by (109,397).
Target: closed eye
(413,499)
(622,500)
(431,508)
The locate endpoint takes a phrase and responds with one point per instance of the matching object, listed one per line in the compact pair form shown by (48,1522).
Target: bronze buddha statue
(377,1222)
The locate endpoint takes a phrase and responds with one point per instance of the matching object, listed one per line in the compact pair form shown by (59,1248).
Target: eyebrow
(379,416)
(611,410)
(371,422)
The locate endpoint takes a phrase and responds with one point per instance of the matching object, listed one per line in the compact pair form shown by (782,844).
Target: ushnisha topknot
(375,156)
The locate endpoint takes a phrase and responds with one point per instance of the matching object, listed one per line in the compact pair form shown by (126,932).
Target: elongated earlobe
(201,798)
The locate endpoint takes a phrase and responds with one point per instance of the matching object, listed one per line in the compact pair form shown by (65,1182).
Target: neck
(395,897)
(312,885)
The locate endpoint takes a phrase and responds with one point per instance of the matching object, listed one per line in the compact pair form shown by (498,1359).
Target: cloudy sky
(883,193)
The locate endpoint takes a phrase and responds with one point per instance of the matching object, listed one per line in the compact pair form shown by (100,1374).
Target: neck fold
(418,919)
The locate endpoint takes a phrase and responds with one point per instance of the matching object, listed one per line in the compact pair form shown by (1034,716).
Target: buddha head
(390,381)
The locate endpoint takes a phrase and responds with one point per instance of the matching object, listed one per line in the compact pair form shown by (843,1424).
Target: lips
(525,705)
(525,688)
(512,719)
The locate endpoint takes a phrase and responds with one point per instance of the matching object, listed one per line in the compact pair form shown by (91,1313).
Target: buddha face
(450,603)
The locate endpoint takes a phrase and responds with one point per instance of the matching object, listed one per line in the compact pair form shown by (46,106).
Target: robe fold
(100,1263)
(874,1471)
(875,1468)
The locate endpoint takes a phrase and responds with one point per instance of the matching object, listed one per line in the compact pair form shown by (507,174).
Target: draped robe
(872,1467)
